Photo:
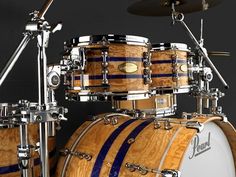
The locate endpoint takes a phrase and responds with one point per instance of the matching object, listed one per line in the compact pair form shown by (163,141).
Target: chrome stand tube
(203,52)
(43,38)
(43,131)
(24,153)
(52,101)
(10,64)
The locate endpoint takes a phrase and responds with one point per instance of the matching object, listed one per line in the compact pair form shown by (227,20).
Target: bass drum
(164,147)
(10,139)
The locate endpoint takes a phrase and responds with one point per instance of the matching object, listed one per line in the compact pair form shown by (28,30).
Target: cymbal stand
(202,92)
(179,17)
(38,27)
(25,151)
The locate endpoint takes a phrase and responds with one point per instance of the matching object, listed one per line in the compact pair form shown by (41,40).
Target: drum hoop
(170,46)
(111,38)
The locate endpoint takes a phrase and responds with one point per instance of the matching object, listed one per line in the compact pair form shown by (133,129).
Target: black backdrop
(102,17)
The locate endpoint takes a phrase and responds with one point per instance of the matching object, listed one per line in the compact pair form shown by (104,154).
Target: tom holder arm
(179,17)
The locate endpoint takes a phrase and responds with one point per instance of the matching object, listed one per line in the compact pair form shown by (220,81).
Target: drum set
(141,79)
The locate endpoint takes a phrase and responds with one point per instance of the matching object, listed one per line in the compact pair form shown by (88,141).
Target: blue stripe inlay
(115,59)
(169,61)
(105,148)
(115,169)
(15,167)
(169,75)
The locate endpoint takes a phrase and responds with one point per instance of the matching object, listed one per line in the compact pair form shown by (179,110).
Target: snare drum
(108,64)
(158,105)
(10,140)
(164,147)
(170,67)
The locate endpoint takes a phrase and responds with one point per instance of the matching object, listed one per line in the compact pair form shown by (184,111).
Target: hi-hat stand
(38,28)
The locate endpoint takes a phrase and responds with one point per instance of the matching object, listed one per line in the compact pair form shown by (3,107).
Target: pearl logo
(200,146)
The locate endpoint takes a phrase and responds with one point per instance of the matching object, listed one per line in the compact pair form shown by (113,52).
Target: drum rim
(170,46)
(112,38)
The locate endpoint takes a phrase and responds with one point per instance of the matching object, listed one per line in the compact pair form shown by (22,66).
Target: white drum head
(208,155)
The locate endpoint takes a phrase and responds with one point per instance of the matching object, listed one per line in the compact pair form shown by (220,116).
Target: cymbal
(218,54)
(163,7)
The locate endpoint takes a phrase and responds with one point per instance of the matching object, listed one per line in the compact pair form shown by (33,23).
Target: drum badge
(128,67)
(199,147)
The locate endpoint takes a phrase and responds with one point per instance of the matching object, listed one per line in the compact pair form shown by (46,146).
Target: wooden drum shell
(163,70)
(119,81)
(154,103)
(163,148)
(10,139)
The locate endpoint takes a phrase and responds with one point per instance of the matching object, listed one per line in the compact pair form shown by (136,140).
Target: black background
(102,17)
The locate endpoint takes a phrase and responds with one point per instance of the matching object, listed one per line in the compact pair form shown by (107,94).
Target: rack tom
(170,67)
(108,64)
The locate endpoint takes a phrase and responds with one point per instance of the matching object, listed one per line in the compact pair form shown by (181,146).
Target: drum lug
(146,59)
(104,65)
(137,114)
(170,173)
(147,76)
(147,72)
(157,124)
(80,155)
(166,124)
(144,170)
(175,77)
(112,118)
(195,125)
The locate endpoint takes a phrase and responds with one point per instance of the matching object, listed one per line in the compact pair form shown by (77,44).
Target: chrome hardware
(135,113)
(146,59)
(157,124)
(141,169)
(165,122)
(80,155)
(186,115)
(175,77)
(53,80)
(26,112)
(145,170)
(53,76)
(195,125)
(170,173)
(24,155)
(104,67)
(147,72)
(147,76)
(112,118)
(167,125)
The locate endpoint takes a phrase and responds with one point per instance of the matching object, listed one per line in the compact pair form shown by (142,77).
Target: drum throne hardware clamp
(38,28)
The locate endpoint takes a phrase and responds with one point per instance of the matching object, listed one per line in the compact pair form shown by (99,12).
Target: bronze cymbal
(218,54)
(163,7)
